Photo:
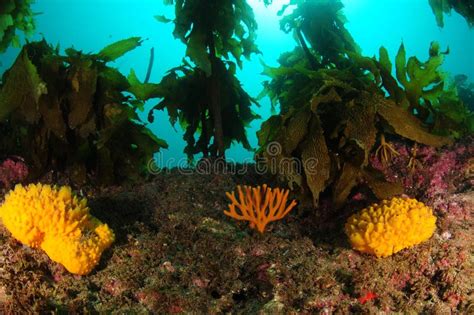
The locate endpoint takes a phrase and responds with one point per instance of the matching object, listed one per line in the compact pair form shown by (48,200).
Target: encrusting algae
(260,205)
(395,224)
(58,222)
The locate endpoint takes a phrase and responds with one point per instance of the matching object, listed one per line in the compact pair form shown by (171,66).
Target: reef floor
(176,252)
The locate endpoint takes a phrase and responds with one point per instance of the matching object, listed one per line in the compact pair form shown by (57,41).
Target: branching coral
(259,206)
(385,229)
(58,222)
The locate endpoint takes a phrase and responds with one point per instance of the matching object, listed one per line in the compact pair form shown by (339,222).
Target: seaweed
(465,90)
(69,113)
(424,90)
(463,7)
(207,97)
(185,97)
(330,130)
(333,104)
(321,24)
(15,15)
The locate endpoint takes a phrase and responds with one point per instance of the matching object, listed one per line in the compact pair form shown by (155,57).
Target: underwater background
(90,25)
(351,189)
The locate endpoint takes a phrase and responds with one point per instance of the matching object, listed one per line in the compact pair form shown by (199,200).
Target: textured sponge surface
(57,221)
(386,228)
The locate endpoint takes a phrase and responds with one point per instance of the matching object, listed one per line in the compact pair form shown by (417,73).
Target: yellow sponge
(385,229)
(58,222)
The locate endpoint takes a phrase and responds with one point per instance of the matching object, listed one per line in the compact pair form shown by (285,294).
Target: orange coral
(259,206)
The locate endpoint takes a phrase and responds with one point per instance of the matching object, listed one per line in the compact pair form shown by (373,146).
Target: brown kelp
(465,90)
(426,91)
(186,98)
(334,102)
(15,15)
(463,7)
(205,96)
(319,24)
(68,113)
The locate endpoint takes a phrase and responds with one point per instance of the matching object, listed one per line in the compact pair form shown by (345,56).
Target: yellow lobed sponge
(385,229)
(58,222)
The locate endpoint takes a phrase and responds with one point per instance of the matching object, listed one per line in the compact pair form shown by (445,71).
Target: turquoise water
(89,25)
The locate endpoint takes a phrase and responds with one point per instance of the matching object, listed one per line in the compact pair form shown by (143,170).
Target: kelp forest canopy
(75,113)
(463,7)
(15,15)
(337,107)
(206,97)
(69,113)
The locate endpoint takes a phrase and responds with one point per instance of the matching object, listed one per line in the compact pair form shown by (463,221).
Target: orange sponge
(385,229)
(58,222)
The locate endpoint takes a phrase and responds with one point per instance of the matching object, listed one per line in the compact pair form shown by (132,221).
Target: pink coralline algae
(445,165)
(449,165)
(432,179)
(12,172)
